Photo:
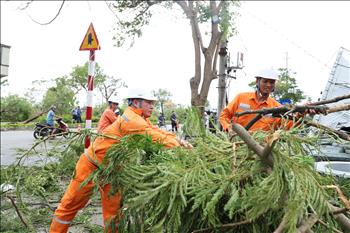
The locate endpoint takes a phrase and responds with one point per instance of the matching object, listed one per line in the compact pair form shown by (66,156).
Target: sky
(303,36)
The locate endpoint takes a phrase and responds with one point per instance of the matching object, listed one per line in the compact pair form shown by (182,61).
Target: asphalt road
(15,142)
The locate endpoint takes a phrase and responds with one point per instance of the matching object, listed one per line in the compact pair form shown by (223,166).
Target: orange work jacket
(107,118)
(131,122)
(248,101)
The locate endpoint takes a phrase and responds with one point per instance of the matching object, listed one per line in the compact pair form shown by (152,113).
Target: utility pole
(222,77)
(287,62)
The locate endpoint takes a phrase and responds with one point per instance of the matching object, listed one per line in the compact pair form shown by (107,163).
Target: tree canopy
(60,95)
(287,88)
(15,108)
(218,15)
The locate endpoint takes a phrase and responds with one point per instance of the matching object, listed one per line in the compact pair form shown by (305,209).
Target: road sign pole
(90,42)
(90,88)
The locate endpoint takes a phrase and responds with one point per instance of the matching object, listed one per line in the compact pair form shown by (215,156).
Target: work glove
(184,143)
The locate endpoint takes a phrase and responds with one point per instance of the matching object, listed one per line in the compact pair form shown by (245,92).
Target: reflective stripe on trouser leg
(110,208)
(75,197)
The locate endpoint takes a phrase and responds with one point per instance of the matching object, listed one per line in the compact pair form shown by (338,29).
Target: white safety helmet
(268,74)
(140,94)
(114,99)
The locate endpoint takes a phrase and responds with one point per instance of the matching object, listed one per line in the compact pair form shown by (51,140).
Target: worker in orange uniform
(108,116)
(135,120)
(265,85)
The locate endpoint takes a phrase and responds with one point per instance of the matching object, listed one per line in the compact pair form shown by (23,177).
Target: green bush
(15,108)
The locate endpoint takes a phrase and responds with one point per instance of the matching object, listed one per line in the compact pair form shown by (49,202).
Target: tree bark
(341,134)
(336,99)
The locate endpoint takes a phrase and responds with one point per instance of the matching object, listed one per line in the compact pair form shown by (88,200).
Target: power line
(286,38)
(51,19)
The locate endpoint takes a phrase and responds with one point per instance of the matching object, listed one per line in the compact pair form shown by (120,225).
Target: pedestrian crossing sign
(90,41)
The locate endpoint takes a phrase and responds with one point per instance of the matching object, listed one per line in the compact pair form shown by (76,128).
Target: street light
(5,53)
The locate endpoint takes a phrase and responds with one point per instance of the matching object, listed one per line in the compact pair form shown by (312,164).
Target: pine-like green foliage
(181,190)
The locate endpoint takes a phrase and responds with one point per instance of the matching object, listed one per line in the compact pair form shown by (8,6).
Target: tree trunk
(199,94)
(35,117)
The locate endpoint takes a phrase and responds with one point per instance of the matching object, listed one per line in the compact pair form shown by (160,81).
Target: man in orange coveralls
(108,116)
(265,84)
(135,120)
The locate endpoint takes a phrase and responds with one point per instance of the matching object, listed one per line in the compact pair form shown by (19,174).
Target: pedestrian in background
(78,114)
(173,120)
(74,115)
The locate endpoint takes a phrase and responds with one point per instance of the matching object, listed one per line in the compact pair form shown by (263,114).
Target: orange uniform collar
(138,111)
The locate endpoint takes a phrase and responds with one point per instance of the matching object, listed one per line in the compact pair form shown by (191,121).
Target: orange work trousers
(76,197)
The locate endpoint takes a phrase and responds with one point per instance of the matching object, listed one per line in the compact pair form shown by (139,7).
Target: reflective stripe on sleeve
(125,118)
(61,221)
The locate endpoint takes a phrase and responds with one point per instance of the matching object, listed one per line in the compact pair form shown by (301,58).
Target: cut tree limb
(35,117)
(225,226)
(281,226)
(341,219)
(307,225)
(342,197)
(252,144)
(296,108)
(252,122)
(341,134)
(336,99)
(17,211)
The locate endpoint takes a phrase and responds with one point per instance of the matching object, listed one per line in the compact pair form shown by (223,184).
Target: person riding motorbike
(50,119)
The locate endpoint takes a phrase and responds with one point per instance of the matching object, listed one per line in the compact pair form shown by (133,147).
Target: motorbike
(44,130)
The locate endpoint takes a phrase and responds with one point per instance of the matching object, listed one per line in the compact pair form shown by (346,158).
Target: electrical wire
(109,7)
(286,38)
(50,20)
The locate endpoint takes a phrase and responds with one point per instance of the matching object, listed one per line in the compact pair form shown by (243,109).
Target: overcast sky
(309,32)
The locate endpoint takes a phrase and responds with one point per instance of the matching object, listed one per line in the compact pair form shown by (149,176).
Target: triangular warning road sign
(90,41)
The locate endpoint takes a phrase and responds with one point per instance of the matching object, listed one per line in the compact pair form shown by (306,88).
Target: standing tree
(61,95)
(15,108)
(109,86)
(219,15)
(162,95)
(78,77)
(286,87)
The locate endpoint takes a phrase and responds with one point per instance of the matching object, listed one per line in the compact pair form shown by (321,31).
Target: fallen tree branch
(281,226)
(252,122)
(17,211)
(341,134)
(284,109)
(271,142)
(229,225)
(341,219)
(340,211)
(252,144)
(339,108)
(342,197)
(326,225)
(336,99)
(307,225)
(294,109)
(35,117)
